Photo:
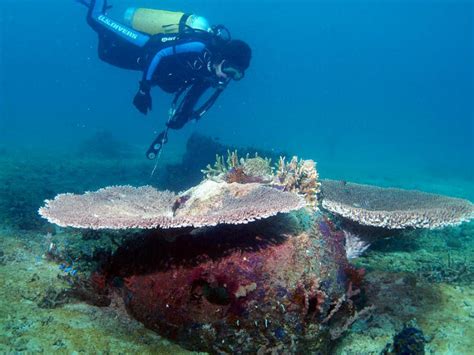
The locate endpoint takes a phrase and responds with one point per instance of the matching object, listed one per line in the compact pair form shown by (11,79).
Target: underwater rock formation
(410,340)
(104,145)
(271,285)
(392,208)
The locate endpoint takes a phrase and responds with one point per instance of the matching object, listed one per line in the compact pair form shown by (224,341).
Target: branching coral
(297,176)
(241,170)
(222,165)
(217,169)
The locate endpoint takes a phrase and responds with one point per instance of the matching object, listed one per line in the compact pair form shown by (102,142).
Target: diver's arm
(190,47)
(142,99)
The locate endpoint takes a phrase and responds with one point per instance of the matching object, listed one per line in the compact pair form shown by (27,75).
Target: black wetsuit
(177,64)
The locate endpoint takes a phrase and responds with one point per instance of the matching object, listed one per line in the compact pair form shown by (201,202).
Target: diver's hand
(142,99)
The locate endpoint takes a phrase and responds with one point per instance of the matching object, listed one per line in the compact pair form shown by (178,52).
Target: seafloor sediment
(35,317)
(426,277)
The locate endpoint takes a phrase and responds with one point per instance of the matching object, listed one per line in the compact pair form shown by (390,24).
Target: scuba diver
(181,53)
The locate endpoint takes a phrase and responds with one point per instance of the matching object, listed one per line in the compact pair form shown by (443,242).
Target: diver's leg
(97,7)
(119,45)
(103,25)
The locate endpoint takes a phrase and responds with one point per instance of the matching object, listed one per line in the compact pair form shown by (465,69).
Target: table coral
(392,208)
(207,204)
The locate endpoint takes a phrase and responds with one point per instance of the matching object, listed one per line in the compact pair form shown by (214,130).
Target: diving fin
(157,145)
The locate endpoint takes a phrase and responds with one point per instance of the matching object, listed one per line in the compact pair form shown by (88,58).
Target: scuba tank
(152,22)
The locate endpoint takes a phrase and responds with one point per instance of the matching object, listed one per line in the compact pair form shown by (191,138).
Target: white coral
(355,246)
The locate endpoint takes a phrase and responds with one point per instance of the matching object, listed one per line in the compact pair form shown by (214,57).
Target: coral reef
(241,170)
(451,271)
(200,150)
(297,176)
(393,208)
(27,177)
(47,275)
(236,272)
(258,167)
(279,284)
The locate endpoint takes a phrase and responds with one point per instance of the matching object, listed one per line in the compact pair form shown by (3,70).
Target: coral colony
(393,208)
(245,261)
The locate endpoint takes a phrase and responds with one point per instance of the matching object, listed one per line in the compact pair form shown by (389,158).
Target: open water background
(372,90)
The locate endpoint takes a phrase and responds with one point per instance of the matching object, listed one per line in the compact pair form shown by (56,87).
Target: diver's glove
(142,99)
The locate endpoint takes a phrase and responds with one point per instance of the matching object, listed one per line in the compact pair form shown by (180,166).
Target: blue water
(368,89)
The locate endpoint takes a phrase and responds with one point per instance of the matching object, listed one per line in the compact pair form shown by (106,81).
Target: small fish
(180,201)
